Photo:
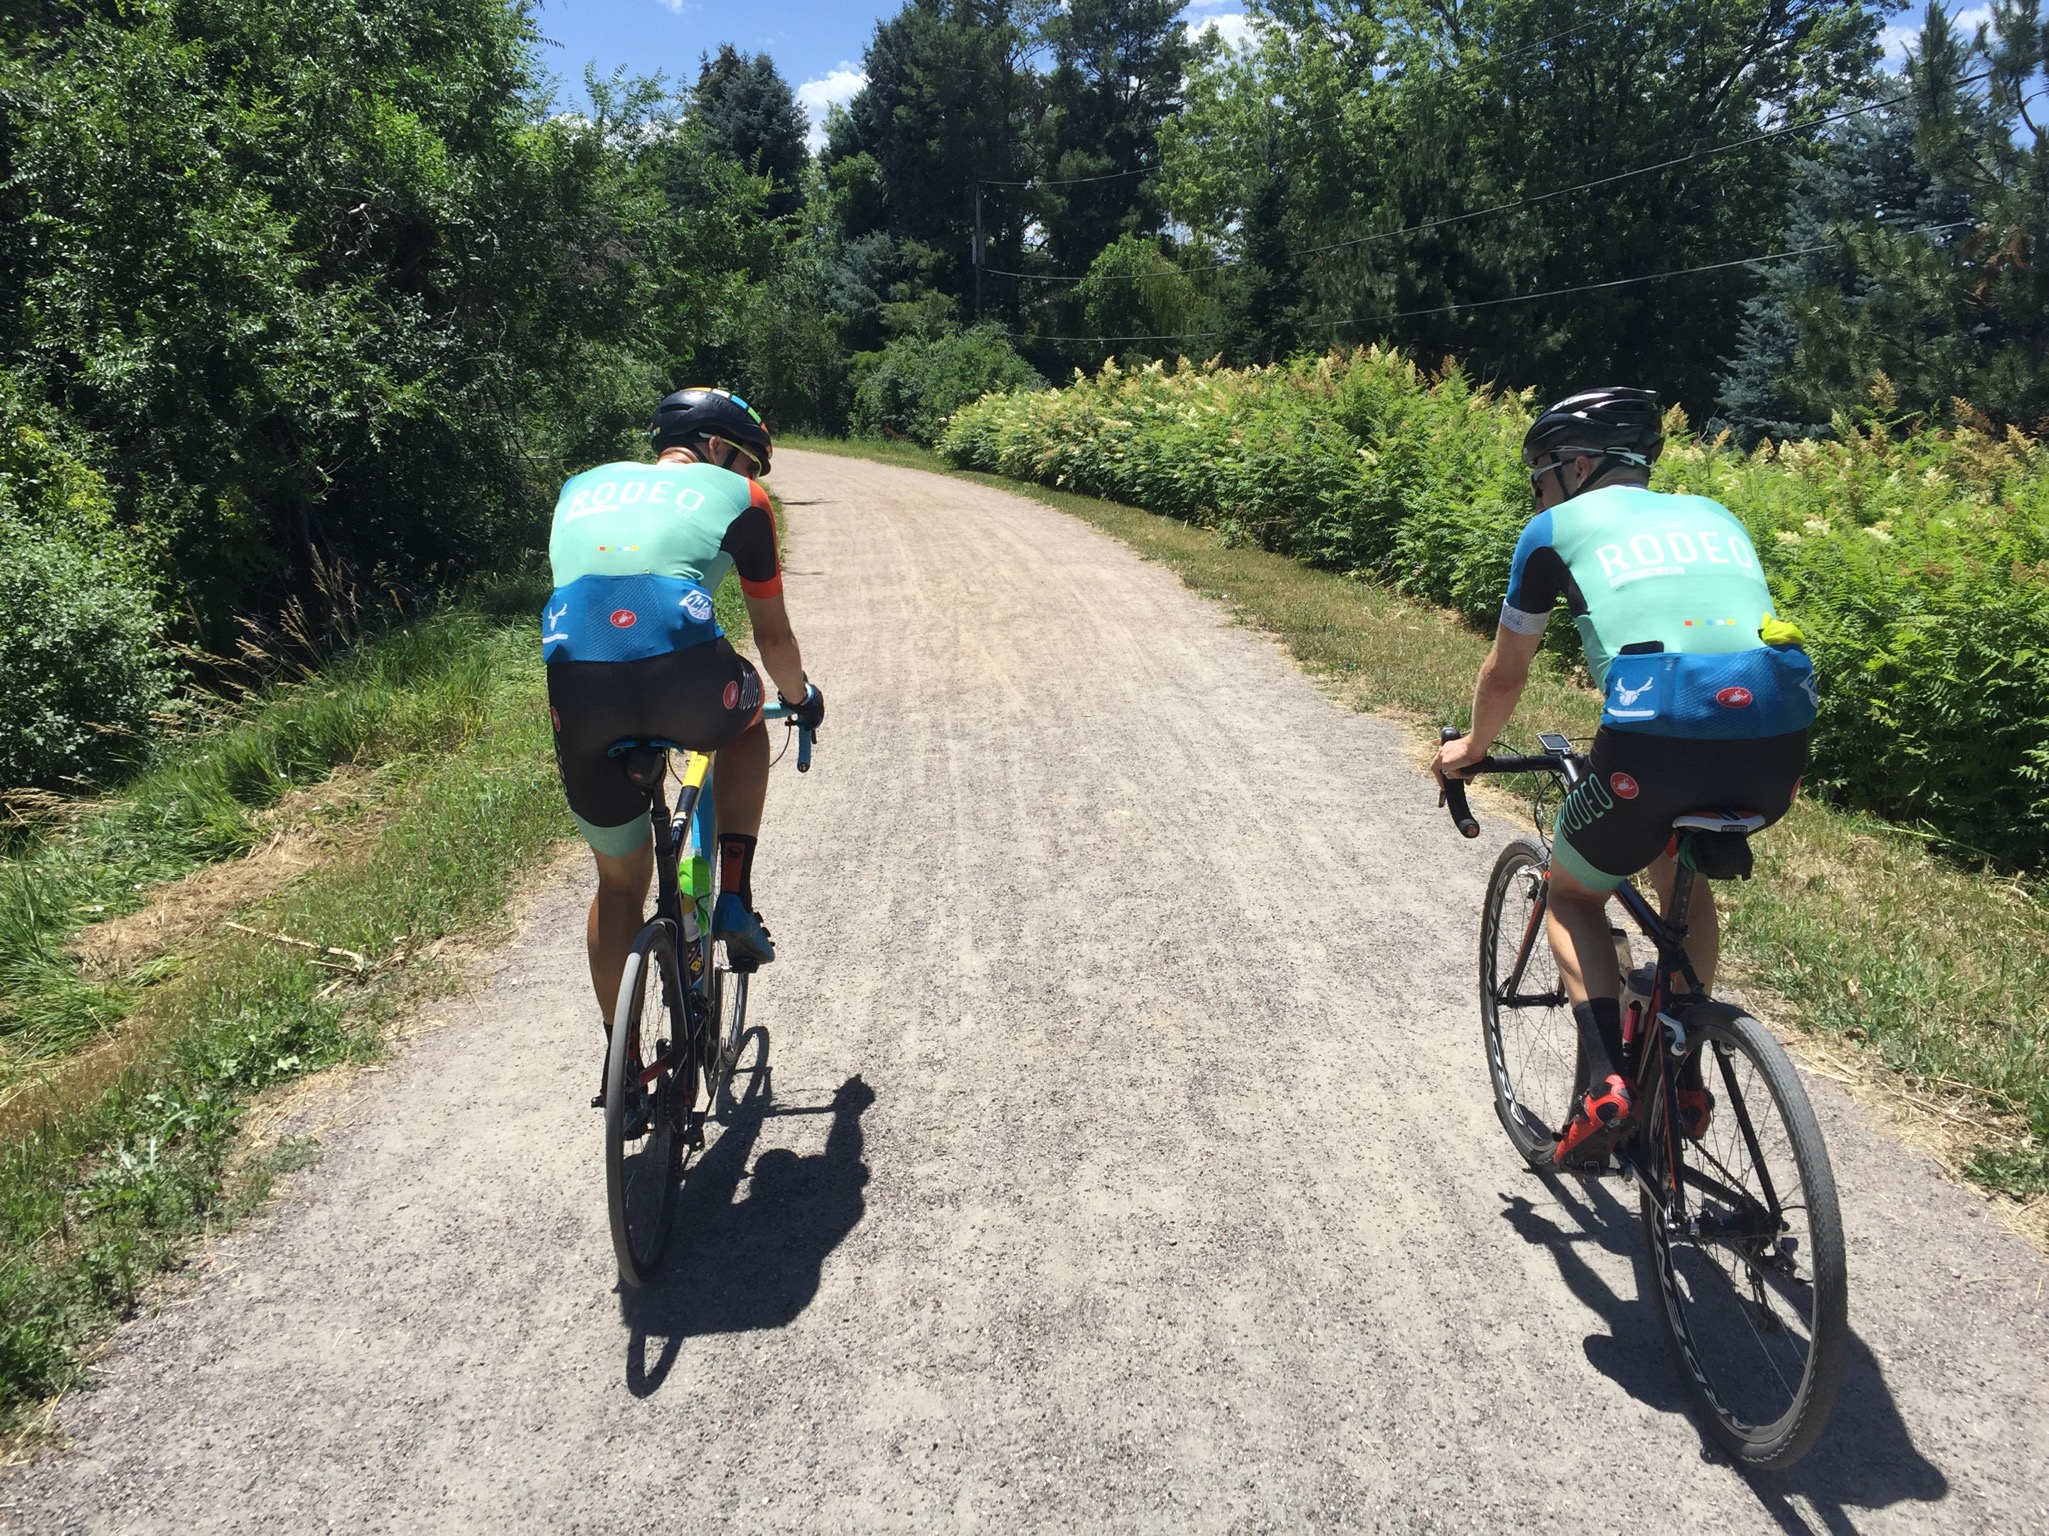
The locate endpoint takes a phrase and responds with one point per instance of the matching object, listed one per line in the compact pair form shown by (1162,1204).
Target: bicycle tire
(1762,1135)
(643,1147)
(1532,1049)
(729,1027)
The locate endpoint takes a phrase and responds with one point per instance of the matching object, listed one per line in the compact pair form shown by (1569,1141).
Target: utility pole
(978,252)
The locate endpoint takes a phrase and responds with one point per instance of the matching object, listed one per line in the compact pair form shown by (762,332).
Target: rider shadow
(1866,1459)
(738,1264)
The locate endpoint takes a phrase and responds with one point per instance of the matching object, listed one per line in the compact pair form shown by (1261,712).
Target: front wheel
(643,1152)
(1752,1281)
(1526,1020)
(729,1014)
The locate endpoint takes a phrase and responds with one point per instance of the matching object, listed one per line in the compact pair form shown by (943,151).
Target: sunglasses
(752,457)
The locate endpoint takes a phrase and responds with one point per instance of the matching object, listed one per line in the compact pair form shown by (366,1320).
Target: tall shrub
(1918,565)
(918,382)
(82,666)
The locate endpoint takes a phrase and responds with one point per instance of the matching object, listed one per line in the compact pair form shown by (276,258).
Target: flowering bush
(1918,566)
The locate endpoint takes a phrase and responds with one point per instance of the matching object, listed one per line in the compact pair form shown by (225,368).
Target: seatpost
(1681,902)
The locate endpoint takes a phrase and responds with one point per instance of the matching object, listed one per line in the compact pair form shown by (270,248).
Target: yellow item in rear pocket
(1776,631)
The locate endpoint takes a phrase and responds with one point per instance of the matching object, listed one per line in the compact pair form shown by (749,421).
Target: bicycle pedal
(597,1101)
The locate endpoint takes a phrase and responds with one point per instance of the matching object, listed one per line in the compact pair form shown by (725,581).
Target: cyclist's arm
(1503,676)
(776,643)
(1536,581)
(751,542)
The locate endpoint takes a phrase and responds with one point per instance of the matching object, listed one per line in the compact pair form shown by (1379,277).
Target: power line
(1614,282)
(1071,181)
(1521,202)
(1520,298)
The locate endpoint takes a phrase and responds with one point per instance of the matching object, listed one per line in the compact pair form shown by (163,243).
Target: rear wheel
(645,1081)
(1526,1021)
(1752,1284)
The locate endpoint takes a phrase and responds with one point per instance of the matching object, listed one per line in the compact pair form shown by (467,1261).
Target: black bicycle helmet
(691,414)
(1613,423)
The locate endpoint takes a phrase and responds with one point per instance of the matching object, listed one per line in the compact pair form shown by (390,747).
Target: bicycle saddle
(645,761)
(1716,844)
(1745,822)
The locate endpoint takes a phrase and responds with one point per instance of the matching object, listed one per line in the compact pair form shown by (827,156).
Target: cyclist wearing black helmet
(1708,701)
(633,650)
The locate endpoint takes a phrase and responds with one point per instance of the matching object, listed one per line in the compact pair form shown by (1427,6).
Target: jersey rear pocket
(625,618)
(1769,691)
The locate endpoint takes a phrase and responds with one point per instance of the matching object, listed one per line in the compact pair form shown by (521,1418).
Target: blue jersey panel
(625,618)
(1735,696)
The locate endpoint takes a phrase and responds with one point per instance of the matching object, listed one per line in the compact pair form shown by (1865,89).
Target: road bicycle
(676,1033)
(1739,1215)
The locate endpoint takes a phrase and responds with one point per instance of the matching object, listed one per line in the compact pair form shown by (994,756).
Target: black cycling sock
(1600,1037)
(736,866)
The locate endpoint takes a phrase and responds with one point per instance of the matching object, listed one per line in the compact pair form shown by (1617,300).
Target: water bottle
(1636,999)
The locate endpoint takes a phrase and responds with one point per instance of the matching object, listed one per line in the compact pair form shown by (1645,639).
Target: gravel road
(1130,1164)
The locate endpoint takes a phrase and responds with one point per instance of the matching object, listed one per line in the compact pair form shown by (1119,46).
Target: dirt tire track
(1180,1203)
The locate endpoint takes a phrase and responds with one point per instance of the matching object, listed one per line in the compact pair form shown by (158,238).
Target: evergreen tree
(947,108)
(750,114)
(1927,292)
(1116,79)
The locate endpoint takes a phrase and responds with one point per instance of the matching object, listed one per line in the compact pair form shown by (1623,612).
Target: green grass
(1936,973)
(133,1154)
(119,1178)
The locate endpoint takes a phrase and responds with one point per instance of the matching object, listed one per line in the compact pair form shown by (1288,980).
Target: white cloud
(1234,26)
(678,7)
(835,88)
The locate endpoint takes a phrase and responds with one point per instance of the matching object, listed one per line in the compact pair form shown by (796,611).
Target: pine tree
(750,114)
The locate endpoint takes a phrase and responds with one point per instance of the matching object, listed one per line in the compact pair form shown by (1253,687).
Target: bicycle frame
(693,823)
(1653,1072)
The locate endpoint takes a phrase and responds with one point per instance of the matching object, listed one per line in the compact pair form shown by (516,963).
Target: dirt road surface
(1130,1164)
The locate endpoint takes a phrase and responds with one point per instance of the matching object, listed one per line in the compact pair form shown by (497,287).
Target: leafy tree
(751,115)
(317,275)
(948,107)
(913,387)
(1133,289)
(1118,68)
(1418,142)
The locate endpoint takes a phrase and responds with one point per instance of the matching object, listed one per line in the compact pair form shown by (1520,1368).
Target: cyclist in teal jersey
(633,651)
(1708,699)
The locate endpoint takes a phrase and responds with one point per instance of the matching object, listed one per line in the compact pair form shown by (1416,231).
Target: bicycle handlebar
(805,735)
(1453,796)
(1452,793)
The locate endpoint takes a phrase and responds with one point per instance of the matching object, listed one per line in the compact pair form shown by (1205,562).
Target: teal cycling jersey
(637,550)
(1669,600)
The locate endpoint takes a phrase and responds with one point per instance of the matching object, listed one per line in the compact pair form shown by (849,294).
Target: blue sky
(817,44)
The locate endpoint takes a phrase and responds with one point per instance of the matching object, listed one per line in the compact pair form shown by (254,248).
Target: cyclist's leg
(616,915)
(593,705)
(1576,922)
(743,781)
(1604,833)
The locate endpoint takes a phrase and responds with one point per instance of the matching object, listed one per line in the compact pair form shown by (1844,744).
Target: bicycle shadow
(1867,1458)
(734,1263)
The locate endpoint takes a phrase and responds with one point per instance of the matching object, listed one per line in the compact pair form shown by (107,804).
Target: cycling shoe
(741,931)
(1605,1116)
(1696,1109)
